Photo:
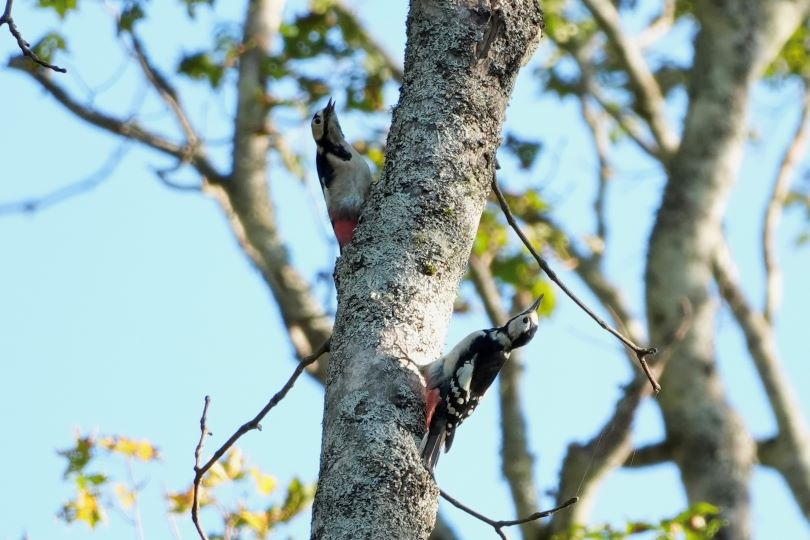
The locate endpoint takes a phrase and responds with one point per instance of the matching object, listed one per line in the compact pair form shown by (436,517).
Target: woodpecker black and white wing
(325,172)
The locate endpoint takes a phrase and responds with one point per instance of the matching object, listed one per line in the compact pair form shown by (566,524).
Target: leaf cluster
(93,488)
(701,521)
(233,471)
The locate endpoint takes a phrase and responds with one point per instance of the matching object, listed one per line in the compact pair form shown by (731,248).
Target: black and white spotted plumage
(343,173)
(456,382)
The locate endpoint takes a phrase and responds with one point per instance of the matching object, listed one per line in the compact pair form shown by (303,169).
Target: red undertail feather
(344,230)
(431,400)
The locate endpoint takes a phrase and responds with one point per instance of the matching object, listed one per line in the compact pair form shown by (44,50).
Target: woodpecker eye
(316,120)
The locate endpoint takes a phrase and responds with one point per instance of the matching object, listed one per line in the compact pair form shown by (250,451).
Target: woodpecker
(456,382)
(344,174)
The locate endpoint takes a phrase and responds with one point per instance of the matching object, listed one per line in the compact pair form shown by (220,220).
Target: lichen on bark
(461,61)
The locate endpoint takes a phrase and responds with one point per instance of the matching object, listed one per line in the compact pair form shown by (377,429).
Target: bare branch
(627,121)
(125,128)
(254,423)
(640,352)
(652,454)
(659,27)
(103,173)
(500,524)
(586,464)
(601,142)
(773,213)
(393,65)
(24,46)
(166,92)
(517,461)
(648,95)
(163,176)
(790,453)
(195,501)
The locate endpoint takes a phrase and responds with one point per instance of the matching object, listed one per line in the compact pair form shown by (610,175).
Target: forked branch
(640,352)
(255,423)
(500,524)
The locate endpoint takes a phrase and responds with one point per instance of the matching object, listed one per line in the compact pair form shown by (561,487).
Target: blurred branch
(652,454)
(626,120)
(128,129)
(255,423)
(776,204)
(24,46)
(246,196)
(391,64)
(584,466)
(790,451)
(659,27)
(649,100)
(640,352)
(103,173)
(499,525)
(517,461)
(243,193)
(601,142)
(166,91)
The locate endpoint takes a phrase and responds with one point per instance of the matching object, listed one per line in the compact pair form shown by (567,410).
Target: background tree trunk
(396,283)
(715,453)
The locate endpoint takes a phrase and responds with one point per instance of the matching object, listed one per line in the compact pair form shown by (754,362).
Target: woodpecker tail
(433,441)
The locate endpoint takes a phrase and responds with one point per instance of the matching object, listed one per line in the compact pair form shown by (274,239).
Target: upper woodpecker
(344,174)
(457,381)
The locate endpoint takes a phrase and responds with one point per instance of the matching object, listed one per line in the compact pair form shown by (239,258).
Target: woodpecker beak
(534,306)
(330,108)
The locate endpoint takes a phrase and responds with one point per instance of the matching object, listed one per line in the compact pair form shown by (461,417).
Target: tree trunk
(397,281)
(715,452)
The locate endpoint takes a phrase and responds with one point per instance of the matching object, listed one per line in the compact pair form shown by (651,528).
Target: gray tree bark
(397,281)
(715,453)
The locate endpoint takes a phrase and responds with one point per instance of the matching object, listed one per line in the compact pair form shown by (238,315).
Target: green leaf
(61,7)
(202,66)
(524,150)
(129,16)
(78,456)
(46,47)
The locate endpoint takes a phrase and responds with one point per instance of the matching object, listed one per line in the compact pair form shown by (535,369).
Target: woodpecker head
(325,125)
(521,328)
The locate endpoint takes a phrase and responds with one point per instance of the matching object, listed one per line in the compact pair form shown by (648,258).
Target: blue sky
(121,308)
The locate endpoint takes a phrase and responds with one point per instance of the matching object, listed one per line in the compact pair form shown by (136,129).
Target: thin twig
(199,471)
(195,502)
(500,524)
(640,352)
(24,46)
(163,176)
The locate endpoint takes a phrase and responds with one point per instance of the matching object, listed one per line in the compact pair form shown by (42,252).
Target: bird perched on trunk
(344,174)
(456,382)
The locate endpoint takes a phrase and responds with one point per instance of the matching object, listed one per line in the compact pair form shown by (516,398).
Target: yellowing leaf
(234,464)
(142,449)
(86,507)
(216,475)
(257,521)
(126,496)
(266,483)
